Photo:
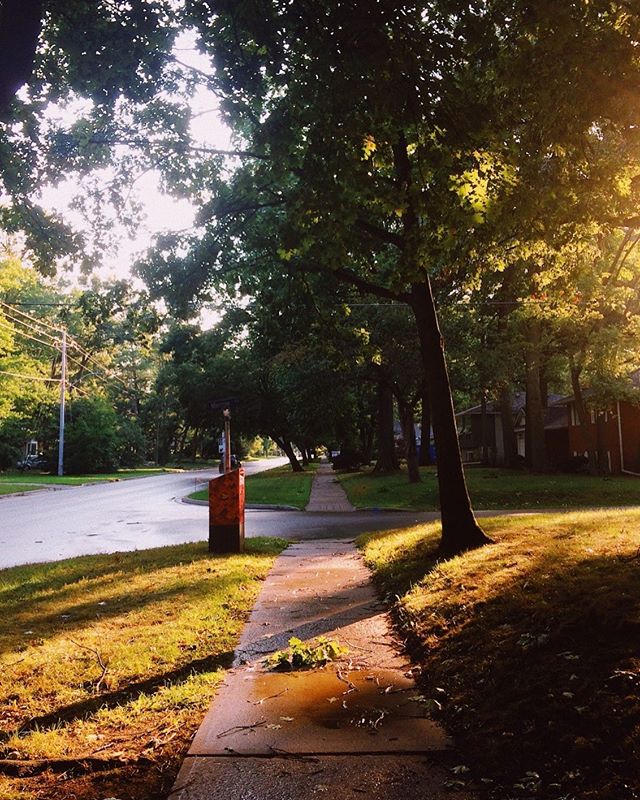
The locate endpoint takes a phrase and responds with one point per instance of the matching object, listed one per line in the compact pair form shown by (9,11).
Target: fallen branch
(101,663)
(270,697)
(23,768)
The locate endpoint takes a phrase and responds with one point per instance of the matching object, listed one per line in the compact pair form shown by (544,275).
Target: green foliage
(306,655)
(91,437)
(131,443)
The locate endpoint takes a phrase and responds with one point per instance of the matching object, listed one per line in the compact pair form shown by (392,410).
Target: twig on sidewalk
(286,754)
(237,728)
(270,697)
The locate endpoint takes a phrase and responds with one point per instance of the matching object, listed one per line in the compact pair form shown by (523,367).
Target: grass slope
(493,489)
(529,649)
(279,487)
(117,657)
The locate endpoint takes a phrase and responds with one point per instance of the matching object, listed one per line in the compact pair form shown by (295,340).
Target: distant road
(103,518)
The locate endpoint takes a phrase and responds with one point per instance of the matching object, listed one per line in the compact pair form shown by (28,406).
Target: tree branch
(380,233)
(367,287)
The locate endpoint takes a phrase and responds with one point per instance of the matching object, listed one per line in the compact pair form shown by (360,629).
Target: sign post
(227,439)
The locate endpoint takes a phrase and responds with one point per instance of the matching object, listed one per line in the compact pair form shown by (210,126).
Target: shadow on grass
(537,652)
(128,693)
(60,579)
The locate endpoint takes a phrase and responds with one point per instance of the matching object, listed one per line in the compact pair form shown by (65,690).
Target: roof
(518,404)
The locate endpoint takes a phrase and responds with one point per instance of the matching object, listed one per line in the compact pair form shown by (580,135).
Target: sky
(161,212)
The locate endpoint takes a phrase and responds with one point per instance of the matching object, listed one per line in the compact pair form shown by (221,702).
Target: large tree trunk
(535,451)
(425,429)
(409,436)
(287,448)
(460,531)
(509,441)
(387,460)
(366,442)
(583,416)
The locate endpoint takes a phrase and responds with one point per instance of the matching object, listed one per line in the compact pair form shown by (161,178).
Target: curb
(251,506)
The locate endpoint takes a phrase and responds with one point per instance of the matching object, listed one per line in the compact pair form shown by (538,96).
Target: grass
(14,481)
(279,487)
(117,657)
(493,489)
(529,649)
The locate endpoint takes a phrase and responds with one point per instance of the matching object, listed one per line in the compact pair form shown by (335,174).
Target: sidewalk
(349,729)
(326,492)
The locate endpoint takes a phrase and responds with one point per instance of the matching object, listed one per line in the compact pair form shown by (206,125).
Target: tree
(390,148)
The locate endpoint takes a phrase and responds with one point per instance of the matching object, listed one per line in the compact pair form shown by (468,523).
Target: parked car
(235,463)
(33,462)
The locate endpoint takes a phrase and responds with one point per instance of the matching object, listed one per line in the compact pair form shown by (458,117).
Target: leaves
(306,655)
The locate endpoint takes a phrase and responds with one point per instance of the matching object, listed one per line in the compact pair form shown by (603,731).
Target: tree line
(476,161)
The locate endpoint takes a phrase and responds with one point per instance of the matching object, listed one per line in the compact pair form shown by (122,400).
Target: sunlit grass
(279,486)
(493,489)
(529,645)
(119,655)
(18,478)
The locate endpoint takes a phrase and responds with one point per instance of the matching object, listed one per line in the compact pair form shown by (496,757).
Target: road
(106,517)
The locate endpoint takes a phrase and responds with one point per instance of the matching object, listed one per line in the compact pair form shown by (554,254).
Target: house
(616,431)
(556,433)
(470,426)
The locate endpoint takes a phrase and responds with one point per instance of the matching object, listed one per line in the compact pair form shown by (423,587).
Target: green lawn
(528,649)
(14,481)
(116,658)
(493,489)
(279,487)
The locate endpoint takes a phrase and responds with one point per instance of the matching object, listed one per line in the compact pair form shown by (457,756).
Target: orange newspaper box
(226,513)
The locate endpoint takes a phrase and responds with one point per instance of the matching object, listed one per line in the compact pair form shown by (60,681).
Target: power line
(30,318)
(28,335)
(16,321)
(55,305)
(29,377)
(107,372)
(71,342)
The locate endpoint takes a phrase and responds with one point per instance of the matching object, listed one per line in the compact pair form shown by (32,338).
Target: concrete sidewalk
(326,492)
(350,729)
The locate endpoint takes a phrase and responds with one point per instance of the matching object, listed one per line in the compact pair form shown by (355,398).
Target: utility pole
(63,386)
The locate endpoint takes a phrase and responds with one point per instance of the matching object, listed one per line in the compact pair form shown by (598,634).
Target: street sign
(225,402)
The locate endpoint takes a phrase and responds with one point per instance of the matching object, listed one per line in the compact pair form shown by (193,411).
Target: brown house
(616,432)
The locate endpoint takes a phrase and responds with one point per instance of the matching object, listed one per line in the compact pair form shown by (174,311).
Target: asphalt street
(147,512)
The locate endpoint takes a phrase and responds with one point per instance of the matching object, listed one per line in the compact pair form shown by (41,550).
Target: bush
(91,437)
(9,454)
(132,443)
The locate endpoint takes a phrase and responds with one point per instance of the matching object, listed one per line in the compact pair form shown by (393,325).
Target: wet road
(103,518)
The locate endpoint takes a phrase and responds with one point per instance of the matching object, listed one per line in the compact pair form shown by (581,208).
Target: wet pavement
(105,518)
(293,734)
